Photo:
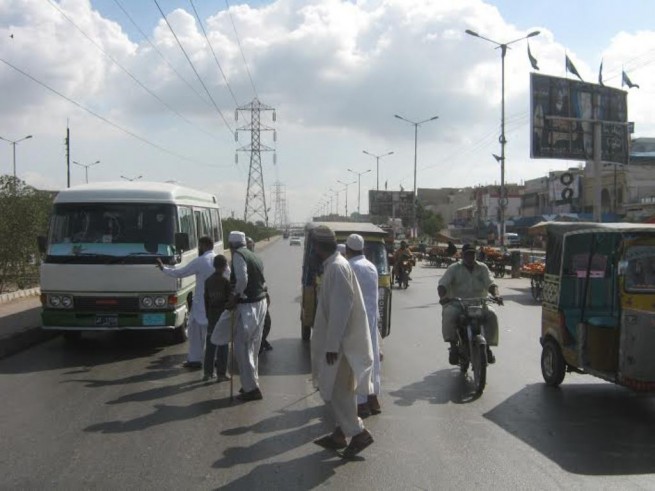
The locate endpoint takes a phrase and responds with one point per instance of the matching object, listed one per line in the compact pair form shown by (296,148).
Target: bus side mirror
(42,243)
(181,242)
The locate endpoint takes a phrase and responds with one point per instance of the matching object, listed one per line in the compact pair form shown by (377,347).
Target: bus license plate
(107,320)
(154,319)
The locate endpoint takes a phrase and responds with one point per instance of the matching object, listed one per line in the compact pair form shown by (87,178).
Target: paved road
(118,412)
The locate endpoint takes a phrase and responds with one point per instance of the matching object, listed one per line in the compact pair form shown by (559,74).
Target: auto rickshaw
(374,250)
(598,313)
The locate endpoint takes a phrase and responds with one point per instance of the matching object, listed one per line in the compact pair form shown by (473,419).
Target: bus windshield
(95,232)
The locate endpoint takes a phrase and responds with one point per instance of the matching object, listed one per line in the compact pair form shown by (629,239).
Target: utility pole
(359,187)
(86,169)
(377,166)
(68,156)
(13,144)
(345,185)
(255,192)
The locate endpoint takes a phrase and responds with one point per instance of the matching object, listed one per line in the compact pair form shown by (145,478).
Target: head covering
(342,249)
(237,238)
(355,242)
(323,233)
(468,248)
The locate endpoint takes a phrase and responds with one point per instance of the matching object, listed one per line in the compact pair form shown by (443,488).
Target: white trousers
(197,333)
(375,374)
(344,401)
(247,340)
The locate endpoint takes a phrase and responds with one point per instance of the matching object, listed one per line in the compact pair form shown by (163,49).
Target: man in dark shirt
(217,293)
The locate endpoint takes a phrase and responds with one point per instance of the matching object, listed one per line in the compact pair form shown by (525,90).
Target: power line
(129,74)
(241,48)
(213,53)
(194,69)
(161,55)
(102,118)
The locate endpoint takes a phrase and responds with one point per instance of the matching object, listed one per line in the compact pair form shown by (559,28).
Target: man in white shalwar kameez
(248,305)
(202,267)
(367,277)
(342,355)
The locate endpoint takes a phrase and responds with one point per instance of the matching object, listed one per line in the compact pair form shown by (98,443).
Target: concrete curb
(11,296)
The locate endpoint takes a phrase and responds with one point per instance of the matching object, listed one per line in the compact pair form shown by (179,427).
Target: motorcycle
(402,274)
(471,341)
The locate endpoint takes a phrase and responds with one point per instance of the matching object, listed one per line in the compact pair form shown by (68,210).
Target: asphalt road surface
(118,412)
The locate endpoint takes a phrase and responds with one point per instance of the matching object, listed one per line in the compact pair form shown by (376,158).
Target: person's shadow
(440,387)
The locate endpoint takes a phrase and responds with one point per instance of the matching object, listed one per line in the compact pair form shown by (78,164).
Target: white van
(99,266)
(512,240)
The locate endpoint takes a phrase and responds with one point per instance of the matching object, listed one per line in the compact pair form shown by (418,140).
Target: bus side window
(203,224)
(216,226)
(187,225)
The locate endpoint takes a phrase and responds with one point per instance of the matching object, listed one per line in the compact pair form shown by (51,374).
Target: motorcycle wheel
(463,361)
(479,364)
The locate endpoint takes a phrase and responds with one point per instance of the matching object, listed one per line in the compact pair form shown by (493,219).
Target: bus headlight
(160,302)
(54,300)
(66,302)
(147,302)
(60,301)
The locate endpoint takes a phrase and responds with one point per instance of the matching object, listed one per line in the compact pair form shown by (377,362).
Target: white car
(294,240)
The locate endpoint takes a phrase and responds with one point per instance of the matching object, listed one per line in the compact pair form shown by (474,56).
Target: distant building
(446,201)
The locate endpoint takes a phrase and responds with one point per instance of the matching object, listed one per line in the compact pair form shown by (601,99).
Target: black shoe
(267,346)
(192,365)
(453,356)
(491,358)
(253,395)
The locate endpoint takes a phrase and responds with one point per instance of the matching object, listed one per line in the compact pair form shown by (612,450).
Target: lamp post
(502,198)
(345,185)
(377,166)
(13,143)
(359,187)
(336,192)
(416,125)
(131,178)
(86,168)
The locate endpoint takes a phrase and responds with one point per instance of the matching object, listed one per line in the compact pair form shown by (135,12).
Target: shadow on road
(284,420)
(290,356)
(521,296)
(93,350)
(307,472)
(441,387)
(590,429)
(162,414)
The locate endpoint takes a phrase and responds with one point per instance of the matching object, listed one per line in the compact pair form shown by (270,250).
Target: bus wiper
(76,255)
(118,259)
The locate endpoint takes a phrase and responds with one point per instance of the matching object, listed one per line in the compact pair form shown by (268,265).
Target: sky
(335,71)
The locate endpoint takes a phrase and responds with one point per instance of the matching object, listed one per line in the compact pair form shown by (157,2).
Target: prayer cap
(237,238)
(355,242)
(342,249)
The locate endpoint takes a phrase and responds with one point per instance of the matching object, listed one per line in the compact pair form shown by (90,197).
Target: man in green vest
(248,303)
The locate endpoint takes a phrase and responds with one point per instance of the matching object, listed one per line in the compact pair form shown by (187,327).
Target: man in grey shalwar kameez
(342,355)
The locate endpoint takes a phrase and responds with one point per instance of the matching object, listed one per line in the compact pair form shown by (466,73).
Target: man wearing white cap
(249,305)
(342,356)
(367,277)
(202,267)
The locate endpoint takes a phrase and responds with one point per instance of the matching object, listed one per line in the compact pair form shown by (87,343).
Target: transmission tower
(255,194)
(280,219)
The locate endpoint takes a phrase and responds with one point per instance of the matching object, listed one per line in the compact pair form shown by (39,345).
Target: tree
(24,215)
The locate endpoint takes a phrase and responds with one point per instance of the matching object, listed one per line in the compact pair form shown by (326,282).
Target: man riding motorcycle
(403,254)
(467,278)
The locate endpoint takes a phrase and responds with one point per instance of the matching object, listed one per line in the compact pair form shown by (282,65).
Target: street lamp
(131,178)
(377,166)
(502,198)
(359,187)
(86,168)
(416,125)
(336,193)
(13,144)
(345,185)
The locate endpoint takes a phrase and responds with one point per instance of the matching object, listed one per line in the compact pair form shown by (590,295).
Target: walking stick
(232,322)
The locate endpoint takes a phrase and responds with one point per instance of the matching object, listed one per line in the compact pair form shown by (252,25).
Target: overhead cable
(227,3)
(194,69)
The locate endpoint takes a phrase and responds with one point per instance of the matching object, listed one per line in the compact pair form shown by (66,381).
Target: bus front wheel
(181,332)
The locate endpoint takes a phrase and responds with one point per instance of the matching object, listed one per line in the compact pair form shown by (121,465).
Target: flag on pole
(626,81)
(600,74)
(570,67)
(533,60)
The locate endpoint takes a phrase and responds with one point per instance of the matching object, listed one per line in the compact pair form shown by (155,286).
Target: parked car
(295,240)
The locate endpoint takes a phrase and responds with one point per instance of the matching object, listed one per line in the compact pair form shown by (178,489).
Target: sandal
(334,441)
(357,444)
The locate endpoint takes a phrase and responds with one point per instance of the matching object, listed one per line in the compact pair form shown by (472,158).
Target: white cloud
(336,71)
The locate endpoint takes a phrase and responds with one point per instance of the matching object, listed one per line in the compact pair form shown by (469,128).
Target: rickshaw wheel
(553,366)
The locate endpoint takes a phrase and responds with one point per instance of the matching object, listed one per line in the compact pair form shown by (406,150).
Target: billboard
(391,204)
(552,138)
(563,187)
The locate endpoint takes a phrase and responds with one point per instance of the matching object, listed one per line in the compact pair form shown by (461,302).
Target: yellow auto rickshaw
(598,314)
(374,250)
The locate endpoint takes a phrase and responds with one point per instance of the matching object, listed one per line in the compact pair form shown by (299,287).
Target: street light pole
(345,185)
(13,144)
(502,198)
(377,166)
(359,187)
(415,203)
(86,168)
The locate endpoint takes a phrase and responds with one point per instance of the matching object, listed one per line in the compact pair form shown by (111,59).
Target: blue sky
(336,71)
